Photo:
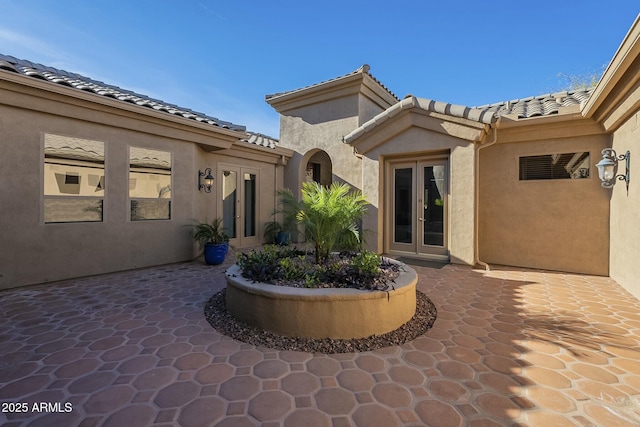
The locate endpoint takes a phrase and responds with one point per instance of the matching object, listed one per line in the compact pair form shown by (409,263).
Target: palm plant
(330,216)
(212,232)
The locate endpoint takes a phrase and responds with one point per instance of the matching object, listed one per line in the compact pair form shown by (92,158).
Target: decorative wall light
(608,165)
(208,180)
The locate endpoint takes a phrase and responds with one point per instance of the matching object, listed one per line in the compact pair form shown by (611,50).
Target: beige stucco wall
(625,206)
(321,127)
(550,224)
(315,119)
(270,171)
(35,252)
(412,143)
(368,109)
(615,105)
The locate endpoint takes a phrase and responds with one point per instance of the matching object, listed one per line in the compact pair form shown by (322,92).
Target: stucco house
(512,183)
(94,178)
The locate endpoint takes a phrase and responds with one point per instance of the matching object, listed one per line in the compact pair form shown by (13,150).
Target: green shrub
(330,217)
(293,267)
(313,278)
(212,232)
(258,264)
(366,263)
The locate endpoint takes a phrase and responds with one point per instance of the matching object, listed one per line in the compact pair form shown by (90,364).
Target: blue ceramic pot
(214,253)
(283,238)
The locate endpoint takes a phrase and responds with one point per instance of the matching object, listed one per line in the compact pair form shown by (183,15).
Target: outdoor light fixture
(208,180)
(608,165)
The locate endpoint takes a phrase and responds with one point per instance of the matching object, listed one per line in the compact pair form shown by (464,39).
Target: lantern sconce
(607,168)
(208,180)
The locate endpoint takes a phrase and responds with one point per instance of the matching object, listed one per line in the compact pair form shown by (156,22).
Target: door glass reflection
(433,205)
(249,205)
(229,202)
(403,202)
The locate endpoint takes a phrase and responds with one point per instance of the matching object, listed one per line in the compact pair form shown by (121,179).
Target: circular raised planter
(324,312)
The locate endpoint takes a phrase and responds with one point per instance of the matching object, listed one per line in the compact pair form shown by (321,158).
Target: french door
(416,209)
(238,187)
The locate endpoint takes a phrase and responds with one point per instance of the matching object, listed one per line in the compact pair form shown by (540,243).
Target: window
(555,166)
(149,184)
(73,179)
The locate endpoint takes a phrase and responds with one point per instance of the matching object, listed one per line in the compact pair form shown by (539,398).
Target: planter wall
(321,313)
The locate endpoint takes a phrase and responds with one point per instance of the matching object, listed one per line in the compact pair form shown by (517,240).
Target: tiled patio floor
(509,347)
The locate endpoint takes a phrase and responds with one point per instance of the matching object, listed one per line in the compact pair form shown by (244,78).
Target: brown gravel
(216,313)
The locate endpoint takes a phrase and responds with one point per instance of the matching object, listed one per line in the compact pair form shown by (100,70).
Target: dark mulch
(216,313)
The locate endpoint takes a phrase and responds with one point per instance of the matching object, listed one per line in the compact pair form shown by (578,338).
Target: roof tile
(535,106)
(77,81)
(261,140)
(364,69)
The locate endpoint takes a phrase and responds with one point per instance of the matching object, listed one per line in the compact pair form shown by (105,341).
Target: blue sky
(222,57)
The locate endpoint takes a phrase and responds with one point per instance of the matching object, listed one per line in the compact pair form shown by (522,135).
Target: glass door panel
(416,210)
(433,205)
(403,205)
(249,204)
(230,202)
(239,204)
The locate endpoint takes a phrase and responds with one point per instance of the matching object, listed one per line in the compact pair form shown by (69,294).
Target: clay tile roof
(364,69)
(409,102)
(77,81)
(542,105)
(260,140)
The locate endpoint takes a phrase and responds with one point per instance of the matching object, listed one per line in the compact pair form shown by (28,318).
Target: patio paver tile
(392,395)
(270,405)
(510,347)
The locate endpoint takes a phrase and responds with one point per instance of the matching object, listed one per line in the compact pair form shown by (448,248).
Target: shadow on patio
(509,347)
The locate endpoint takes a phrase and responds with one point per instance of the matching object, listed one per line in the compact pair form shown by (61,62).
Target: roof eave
(225,136)
(628,51)
(455,112)
(377,93)
(359,81)
(306,95)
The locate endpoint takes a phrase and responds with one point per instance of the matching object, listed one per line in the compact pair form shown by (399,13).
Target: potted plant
(214,239)
(280,231)
(276,232)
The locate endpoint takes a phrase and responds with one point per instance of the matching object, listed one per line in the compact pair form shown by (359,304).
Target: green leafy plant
(284,216)
(312,279)
(264,265)
(271,230)
(212,232)
(330,217)
(366,263)
(293,267)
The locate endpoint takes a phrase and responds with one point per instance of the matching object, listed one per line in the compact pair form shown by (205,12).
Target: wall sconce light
(608,165)
(208,180)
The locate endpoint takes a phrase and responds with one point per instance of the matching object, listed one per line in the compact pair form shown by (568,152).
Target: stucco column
(462,204)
